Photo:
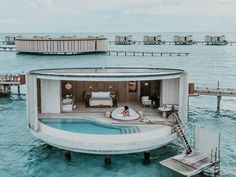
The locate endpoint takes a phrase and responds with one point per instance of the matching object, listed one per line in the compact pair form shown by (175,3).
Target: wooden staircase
(180,132)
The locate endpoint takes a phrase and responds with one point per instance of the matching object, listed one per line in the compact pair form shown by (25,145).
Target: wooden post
(18,89)
(146,158)
(68,155)
(218,103)
(218,97)
(108,159)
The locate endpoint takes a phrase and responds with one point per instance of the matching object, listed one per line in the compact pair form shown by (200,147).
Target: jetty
(7,48)
(167,42)
(142,53)
(204,156)
(9,80)
(210,91)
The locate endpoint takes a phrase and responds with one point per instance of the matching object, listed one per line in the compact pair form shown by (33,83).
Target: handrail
(179,120)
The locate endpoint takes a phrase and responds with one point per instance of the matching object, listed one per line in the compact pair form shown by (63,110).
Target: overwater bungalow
(183,40)
(10,40)
(61,45)
(123,40)
(215,40)
(82,109)
(151,40)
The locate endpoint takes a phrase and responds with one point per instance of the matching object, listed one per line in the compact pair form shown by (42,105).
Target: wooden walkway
(138,53)
(218,92)
(6,48)
(215,91)
(12,79)
(171,43)
(9,80)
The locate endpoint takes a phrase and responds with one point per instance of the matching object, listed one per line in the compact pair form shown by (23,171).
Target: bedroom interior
(109,93)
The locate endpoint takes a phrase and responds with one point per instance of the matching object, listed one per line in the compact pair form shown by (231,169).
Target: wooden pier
(8,80)
(3,42)
(174,43)
(202,157)
(139,53)
(6,48)
(218,92)
(191,164)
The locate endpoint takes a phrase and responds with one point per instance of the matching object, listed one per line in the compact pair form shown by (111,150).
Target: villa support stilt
(218,97)
(147,157)
(108,159)
(218,102)
(18,89)
(68,155)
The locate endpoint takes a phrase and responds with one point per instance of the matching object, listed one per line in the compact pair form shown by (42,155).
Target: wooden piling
(107,159)
(218,103)
(18,89)
(68,155)
(147,156)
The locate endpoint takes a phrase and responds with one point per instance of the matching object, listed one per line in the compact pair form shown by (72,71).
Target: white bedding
(118,114)
(100,99)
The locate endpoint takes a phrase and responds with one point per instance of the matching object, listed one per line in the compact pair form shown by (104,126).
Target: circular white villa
(61,45)
(72,108)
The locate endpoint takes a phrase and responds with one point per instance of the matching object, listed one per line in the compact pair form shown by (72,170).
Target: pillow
(67,101)
(145,97)
(100,95)
(169,105)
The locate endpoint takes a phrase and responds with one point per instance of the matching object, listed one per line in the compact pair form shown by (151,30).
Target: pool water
(89,127)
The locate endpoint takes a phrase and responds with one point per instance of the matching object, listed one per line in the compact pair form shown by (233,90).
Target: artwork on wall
(68,86)
(100,85)
(132,86)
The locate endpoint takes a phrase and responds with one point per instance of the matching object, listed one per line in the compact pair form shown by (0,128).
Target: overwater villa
(183,40)
(151,40)
(81,109)
(215,40)
(123,40)
(61,45)
(10,40)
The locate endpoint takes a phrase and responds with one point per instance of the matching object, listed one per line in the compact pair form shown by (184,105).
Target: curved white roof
(107,73)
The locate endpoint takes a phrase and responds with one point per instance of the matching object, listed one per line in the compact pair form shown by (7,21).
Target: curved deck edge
(105,144)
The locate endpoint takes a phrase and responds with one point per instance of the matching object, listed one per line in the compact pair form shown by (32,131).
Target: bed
(100,99)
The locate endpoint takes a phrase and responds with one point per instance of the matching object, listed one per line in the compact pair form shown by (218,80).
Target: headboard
(87,94)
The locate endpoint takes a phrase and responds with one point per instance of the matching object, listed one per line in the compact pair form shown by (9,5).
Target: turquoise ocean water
(23,155)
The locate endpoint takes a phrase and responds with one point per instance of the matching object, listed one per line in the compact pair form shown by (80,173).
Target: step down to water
(189,164)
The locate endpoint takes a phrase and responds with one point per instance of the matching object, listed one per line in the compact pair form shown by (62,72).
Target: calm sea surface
(23,155)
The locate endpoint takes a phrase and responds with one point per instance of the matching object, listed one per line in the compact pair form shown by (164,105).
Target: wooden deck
(151,116)
(7,48)
(215,91)
(190,164)
(174,43)
(142,53)
(12,79)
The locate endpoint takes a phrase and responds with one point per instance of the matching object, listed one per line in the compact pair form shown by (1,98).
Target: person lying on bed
(126,111)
